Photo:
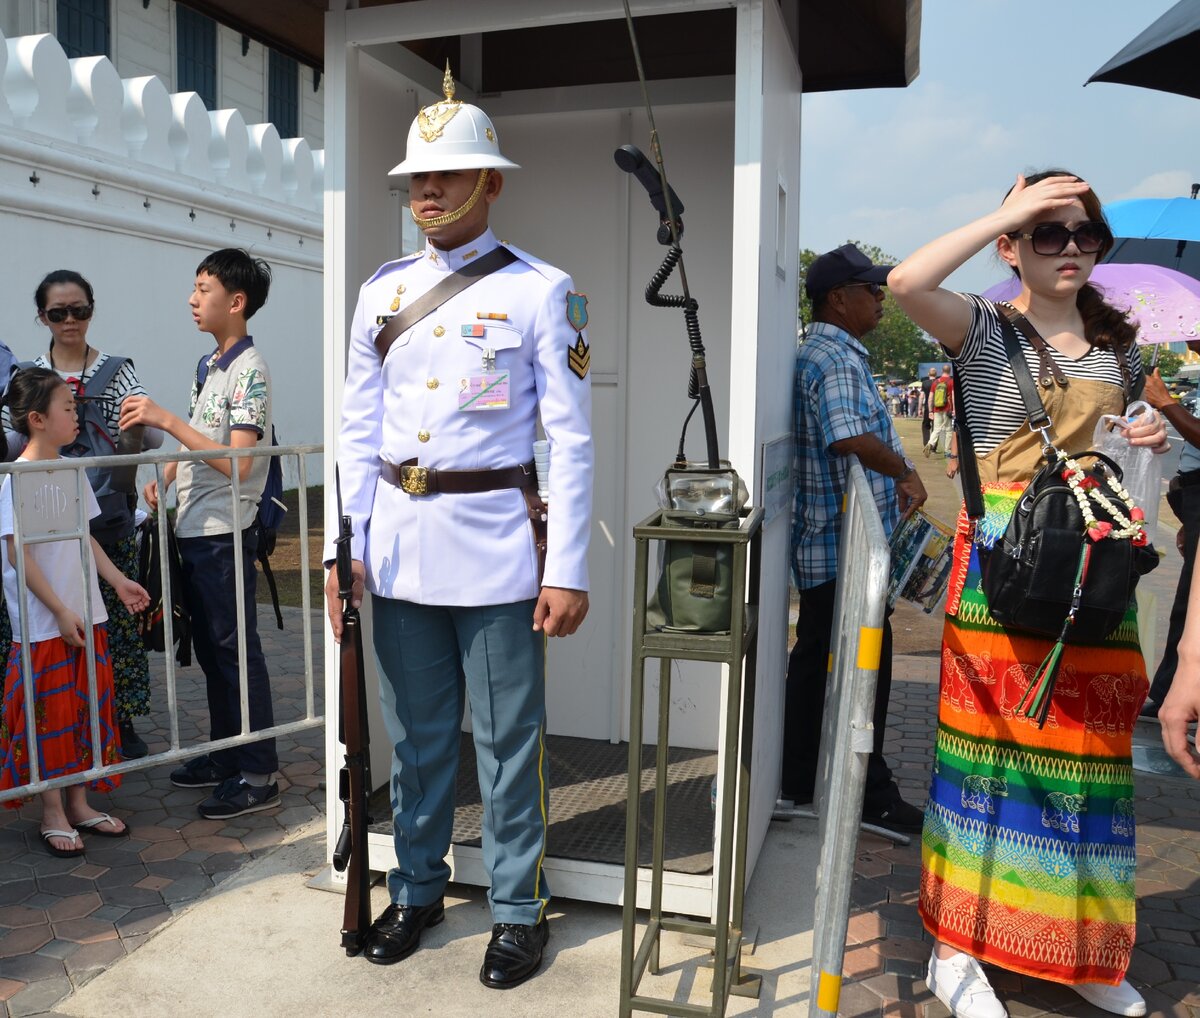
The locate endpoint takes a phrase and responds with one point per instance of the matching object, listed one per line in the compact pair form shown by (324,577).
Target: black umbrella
(1166,56)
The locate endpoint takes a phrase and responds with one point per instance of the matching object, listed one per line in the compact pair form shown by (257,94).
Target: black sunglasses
(874,289)
(1052,238)
(80,312)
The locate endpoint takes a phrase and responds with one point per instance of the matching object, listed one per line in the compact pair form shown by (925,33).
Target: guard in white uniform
(436,460)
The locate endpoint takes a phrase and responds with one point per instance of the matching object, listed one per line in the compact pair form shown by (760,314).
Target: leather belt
(417,480)
(1186,479)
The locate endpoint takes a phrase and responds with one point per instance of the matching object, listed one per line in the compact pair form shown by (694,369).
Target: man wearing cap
(457,351)
(838,413)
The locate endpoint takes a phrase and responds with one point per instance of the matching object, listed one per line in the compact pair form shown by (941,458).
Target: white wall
(132,186)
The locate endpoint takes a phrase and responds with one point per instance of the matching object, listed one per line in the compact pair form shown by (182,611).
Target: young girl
(42,406)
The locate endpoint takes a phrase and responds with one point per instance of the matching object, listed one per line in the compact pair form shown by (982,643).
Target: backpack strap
(99,380)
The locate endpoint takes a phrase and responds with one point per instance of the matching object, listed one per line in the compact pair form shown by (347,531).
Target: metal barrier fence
(864,563)
(40,515)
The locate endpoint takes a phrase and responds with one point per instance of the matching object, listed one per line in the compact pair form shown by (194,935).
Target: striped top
(988,392)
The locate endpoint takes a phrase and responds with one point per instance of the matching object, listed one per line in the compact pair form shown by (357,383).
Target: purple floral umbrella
(1163,304)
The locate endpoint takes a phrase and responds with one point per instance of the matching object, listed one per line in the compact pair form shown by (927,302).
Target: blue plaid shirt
(834,398)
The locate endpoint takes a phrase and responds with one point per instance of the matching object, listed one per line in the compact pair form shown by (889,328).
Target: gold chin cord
(458,213)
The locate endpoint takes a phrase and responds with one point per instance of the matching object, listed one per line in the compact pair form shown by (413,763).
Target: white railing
(44,520)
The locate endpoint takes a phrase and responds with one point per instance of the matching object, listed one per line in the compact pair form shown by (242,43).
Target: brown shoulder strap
(1048,369)
(428,303)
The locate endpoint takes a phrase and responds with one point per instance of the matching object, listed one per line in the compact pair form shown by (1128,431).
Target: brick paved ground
(62,921)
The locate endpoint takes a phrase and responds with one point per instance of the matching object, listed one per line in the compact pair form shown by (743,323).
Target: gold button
(439,331)
(422,435)
(431,383)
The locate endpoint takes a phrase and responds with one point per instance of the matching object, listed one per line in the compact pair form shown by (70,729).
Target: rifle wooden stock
(354,781)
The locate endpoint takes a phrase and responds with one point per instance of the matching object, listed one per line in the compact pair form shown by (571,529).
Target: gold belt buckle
(414,480)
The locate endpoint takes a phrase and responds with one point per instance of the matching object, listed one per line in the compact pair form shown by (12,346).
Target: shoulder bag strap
(1048,368)
(1039,420)
(428,303)
(967,467)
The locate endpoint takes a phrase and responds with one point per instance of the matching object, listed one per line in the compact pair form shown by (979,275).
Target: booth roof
(883,53)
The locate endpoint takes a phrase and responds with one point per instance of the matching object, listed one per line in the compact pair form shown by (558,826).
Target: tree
(1168,363)
(897,344)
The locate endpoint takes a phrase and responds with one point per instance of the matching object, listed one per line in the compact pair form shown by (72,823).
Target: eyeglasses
(1052,238)
(80,312)
(874,289)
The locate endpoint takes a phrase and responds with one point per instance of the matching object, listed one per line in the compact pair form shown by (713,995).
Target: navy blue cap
(846,264)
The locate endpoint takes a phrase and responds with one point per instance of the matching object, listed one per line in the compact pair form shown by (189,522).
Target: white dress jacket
(468,549)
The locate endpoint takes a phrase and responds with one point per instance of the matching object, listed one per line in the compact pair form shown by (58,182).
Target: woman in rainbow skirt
(1028,844)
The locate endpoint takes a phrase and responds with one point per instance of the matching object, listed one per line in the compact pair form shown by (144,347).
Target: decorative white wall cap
(36,83)
(94,103)
(85,101)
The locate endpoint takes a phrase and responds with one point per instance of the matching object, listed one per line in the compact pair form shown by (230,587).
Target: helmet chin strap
(458,213)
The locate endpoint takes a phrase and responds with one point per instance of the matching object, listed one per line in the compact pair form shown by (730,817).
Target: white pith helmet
(452,135)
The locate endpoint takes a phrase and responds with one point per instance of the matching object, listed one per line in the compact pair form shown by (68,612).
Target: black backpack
(115,487)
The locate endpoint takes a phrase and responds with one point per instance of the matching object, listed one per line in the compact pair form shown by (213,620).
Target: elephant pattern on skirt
(1061,810)
(1015,681)
(1122,821)
(1110,704)
(961,671)
(978,789)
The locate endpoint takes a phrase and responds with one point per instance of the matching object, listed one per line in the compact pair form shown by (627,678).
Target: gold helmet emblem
(432,120)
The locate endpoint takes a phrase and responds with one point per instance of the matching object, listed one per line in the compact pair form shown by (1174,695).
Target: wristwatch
(909,468)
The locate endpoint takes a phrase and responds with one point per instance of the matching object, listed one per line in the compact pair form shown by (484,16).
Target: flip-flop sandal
(92,826)
(62,853)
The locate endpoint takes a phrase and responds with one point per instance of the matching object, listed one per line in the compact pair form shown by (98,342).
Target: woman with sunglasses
(1028,847)
(65,305)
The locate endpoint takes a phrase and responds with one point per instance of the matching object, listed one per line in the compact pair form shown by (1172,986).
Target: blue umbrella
(1157,231)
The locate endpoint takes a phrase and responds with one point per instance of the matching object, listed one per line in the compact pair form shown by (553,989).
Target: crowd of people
(76,400)
(1028,833)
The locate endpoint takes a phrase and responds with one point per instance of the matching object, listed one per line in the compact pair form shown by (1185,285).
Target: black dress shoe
(514,954)
(397,932)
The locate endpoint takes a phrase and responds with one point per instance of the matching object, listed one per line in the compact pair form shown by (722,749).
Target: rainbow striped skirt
(1027,856)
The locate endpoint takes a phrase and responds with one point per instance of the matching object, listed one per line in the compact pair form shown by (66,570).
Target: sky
(1000,92)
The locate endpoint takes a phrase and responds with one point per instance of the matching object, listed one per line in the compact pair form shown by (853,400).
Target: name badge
(486,391)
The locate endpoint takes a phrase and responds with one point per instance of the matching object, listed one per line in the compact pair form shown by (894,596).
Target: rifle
(354,779)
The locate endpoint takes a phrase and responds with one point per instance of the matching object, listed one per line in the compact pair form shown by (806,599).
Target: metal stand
(739,645)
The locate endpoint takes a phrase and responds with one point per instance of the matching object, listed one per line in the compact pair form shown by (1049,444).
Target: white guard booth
(558,80)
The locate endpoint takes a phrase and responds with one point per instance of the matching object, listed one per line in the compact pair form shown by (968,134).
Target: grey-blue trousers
(428,656)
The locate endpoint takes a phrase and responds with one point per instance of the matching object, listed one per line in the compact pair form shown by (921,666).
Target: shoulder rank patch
(383,319)
(577,313)
(579,357)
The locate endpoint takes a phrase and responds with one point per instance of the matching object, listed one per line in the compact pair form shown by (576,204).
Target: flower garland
(1086,489)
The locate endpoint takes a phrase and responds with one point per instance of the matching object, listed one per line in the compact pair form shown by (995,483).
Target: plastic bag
(1142,469)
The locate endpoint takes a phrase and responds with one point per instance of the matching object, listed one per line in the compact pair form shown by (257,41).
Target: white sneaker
(1119,999)
(960,984)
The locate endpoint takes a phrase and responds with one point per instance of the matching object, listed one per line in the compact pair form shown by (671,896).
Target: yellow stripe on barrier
(870,647)
(845,500)
(829,664)
(829,992)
